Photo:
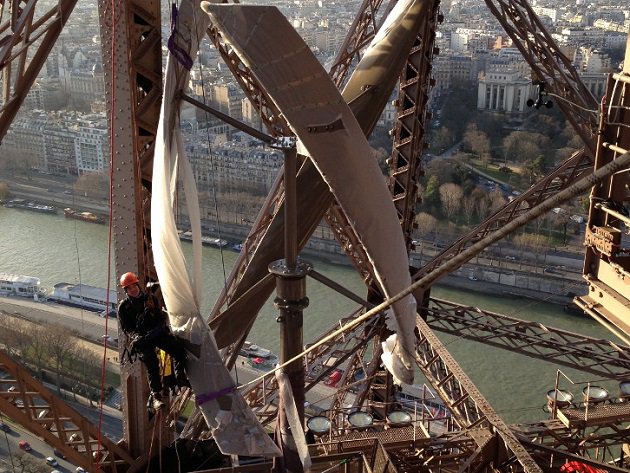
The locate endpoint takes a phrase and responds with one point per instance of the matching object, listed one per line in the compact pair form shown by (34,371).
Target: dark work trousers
(167,342)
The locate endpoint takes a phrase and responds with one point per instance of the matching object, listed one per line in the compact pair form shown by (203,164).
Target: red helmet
(128,279)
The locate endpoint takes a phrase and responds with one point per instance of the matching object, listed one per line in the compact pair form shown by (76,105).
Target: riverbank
(557,278)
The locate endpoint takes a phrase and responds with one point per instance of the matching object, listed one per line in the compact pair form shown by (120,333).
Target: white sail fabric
(234,426)
(329,134)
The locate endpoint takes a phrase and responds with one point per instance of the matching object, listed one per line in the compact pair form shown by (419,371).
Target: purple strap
(203,398)
(178,53)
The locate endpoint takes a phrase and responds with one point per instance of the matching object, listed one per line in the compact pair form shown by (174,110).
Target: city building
(503,91)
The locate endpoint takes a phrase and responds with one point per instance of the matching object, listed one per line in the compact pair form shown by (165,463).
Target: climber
(147,329)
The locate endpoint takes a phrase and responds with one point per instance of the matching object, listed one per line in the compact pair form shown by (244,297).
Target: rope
(112,135)
(586,182)
(212,162)
(155,423)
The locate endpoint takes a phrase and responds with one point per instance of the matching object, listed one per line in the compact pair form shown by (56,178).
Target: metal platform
(594,415)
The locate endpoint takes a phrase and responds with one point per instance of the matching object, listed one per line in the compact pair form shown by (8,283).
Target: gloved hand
(223,418)
(136,344)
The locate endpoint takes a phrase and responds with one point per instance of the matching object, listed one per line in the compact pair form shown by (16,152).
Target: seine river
(56,249)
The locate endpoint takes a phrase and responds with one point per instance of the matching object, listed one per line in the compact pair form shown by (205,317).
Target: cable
(112,141)
(212,162)
(76,247)
(156,419)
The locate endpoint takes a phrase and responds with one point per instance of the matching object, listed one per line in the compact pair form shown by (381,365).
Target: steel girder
(131,45)
(600,357)
(26,38)
(365,25)
(607,259)
(578,104)
(404,163)
(26,400)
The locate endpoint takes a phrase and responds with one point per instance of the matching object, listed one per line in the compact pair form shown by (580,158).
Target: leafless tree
(451,197)
(89,365)
(497,201)
(427,224)
(22,337)
(4,191)
(92,184)
(39,347)
(59,346)
(26,463)
(478,142)
(523,146)
(443,138)
(7,335)
(469,204)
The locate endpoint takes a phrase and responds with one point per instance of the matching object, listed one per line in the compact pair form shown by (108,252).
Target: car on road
(4,427)
(24,445)
(51,461)
(58,453)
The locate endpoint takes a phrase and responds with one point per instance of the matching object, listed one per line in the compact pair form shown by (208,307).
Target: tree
(478,143)
(39,347)
(89,364)
(535,168)
(468,205)
(7,335)
(59,347)
(26,463)
(451,197)
(442,139)
(93,184)
(4,191)
(431,193)
(496,200)
(427,224)
(22,337)
(523,146)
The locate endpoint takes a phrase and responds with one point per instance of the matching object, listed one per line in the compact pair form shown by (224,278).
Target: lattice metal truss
(549,64)
(28,402)
(27,35)
(607,261)
(600,357)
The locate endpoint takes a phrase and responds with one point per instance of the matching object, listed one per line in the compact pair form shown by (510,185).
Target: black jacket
(136,317)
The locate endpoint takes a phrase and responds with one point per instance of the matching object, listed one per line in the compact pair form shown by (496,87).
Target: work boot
(183,383)
(156,401)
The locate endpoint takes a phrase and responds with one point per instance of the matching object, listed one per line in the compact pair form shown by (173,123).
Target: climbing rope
(112,135)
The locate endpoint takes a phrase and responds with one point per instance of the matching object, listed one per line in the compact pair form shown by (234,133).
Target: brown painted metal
(405,167)
(365,25)
(549,64)
(602,358)
(25,400)
(131,45)
(309,183)
(607,257)
(28,35)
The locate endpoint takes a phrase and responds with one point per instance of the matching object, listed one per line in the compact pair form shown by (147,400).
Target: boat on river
(17,285)
(31,205)
(86,297)
(258,357)
(84,216)
(205,240)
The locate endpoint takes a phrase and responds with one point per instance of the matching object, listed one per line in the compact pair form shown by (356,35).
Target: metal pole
(291,300)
